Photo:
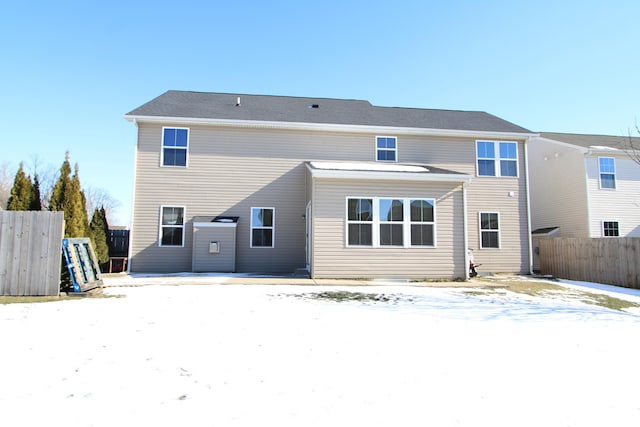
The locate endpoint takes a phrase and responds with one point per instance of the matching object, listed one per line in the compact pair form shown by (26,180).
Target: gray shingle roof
(586,140)
(206,105)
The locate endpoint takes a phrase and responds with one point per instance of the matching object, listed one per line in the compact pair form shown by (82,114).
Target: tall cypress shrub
(98,236)
(21,192)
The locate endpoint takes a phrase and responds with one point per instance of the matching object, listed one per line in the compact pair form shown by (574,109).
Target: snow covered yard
(227,355)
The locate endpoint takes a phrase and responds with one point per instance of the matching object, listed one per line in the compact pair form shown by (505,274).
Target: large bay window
(390,222)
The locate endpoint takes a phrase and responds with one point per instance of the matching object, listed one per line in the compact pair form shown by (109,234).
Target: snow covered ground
(261,355)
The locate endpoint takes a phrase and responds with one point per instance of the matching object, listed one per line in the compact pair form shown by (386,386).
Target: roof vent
(238,102)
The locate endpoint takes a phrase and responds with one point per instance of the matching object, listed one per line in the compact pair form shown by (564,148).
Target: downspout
(465,230)
(588,191)
(526,184)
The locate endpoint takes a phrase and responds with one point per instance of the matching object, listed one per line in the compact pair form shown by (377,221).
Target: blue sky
(71,69)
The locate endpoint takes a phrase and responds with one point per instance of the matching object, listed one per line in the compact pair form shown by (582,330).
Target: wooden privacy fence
(30,252)
(613,261)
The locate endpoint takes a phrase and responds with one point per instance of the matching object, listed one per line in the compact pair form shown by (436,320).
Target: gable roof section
(591,141)
(266,108)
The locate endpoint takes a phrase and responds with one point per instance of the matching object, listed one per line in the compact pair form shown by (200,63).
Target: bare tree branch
(631,145)
(99,197)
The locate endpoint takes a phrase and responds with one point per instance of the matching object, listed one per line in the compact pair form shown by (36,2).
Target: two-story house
(583,186)
(342,188)
(586,185)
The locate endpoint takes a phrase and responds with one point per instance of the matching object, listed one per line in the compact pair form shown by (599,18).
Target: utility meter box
(214,244)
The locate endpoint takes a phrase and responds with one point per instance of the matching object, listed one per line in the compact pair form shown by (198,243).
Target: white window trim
(273,228)
(375,222)
(602,227)
(184,216)
(499,230)
(395,150)
(614,173)
(497,158)
(186,163)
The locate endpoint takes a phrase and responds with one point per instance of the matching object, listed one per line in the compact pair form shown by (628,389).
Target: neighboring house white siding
(558,188)
(568,189)
(622,204)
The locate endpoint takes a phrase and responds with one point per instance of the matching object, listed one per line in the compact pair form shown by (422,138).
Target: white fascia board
(605,151)
(581,149)
(387,176)
(215,224)
(329,127)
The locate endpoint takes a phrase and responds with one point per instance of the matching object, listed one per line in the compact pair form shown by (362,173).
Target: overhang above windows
(384,171)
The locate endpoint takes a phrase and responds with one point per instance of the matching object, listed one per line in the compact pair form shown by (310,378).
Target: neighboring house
(341,188)
(584,185)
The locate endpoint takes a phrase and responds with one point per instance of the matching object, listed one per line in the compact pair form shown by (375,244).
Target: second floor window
(387,148)
(607,166)
(175,144)
(497,158)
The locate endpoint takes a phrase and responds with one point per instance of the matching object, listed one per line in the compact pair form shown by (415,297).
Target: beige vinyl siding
(231,170)
(332,258)
(621,204)
(558,189)
(506,196)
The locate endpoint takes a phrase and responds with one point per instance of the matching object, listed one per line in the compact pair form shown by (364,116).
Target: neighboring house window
(422,222)
(497,158)
(381,222)
(489,230)
(391,214)
(387,148)
(262,227)
(360,222)
(610,229)
(172,226)
(607,167)
(175,143)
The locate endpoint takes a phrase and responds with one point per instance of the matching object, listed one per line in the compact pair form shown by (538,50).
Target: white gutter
(330,127)
(526,184)
(588,191)
(388,176)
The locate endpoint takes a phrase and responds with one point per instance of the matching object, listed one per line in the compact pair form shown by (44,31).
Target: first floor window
(382,222)
(422,222)
(610,229)
(489,230)
(360,222)
(175,143)
(262,227)
(391,219)
(172,226)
